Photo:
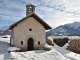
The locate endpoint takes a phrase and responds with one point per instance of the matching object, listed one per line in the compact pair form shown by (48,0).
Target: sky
(53,12)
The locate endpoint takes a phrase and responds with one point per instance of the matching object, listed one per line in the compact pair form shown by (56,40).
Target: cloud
(54,12)
(11,10)
(64,11)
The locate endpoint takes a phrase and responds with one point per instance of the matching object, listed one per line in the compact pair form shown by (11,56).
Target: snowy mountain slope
(3,27)
(75,25)
(57,53)
(4,30)
(71,29)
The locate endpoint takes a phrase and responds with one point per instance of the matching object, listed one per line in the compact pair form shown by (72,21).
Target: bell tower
(30,8)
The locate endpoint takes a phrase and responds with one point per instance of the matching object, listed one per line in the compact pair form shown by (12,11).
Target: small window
(30,10)
(38,42)
(30,29)
(30,7)
(21,42)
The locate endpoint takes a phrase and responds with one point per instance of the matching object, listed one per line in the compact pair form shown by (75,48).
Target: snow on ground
(70,37)
(4,44)
(5,39)
(57,53)
(13,49)
(67,53)
(40,55)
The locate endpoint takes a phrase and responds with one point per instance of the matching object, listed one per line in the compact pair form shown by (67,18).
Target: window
(30,29)
(21,42)
(38,42)
(30,9)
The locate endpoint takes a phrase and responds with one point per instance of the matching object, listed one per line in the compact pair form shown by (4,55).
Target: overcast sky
(54,12)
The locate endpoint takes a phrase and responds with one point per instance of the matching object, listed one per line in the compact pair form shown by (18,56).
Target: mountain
(4,30)
(3,27)
(71,29)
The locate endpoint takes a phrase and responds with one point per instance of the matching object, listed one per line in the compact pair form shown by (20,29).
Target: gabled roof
(46,26)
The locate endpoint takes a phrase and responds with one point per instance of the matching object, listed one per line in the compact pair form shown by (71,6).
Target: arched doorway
(30,44)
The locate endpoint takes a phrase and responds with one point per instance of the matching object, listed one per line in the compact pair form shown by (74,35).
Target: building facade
(29,32)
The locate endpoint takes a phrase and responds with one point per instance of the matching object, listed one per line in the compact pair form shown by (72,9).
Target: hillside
(71,29)
(4,30)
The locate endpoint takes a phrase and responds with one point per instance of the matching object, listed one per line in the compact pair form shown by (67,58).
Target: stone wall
(60,42)
(50,42)
(74,46)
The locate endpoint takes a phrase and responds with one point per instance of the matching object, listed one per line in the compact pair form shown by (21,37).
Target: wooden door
(30,44)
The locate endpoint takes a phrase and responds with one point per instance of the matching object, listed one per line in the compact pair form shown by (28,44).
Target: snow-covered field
(57,53)
(70,37)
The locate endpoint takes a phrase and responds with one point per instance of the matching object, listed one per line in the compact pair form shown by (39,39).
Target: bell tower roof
(30,8)
(30,5)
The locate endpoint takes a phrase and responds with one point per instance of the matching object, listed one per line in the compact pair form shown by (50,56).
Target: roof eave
(46,28)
